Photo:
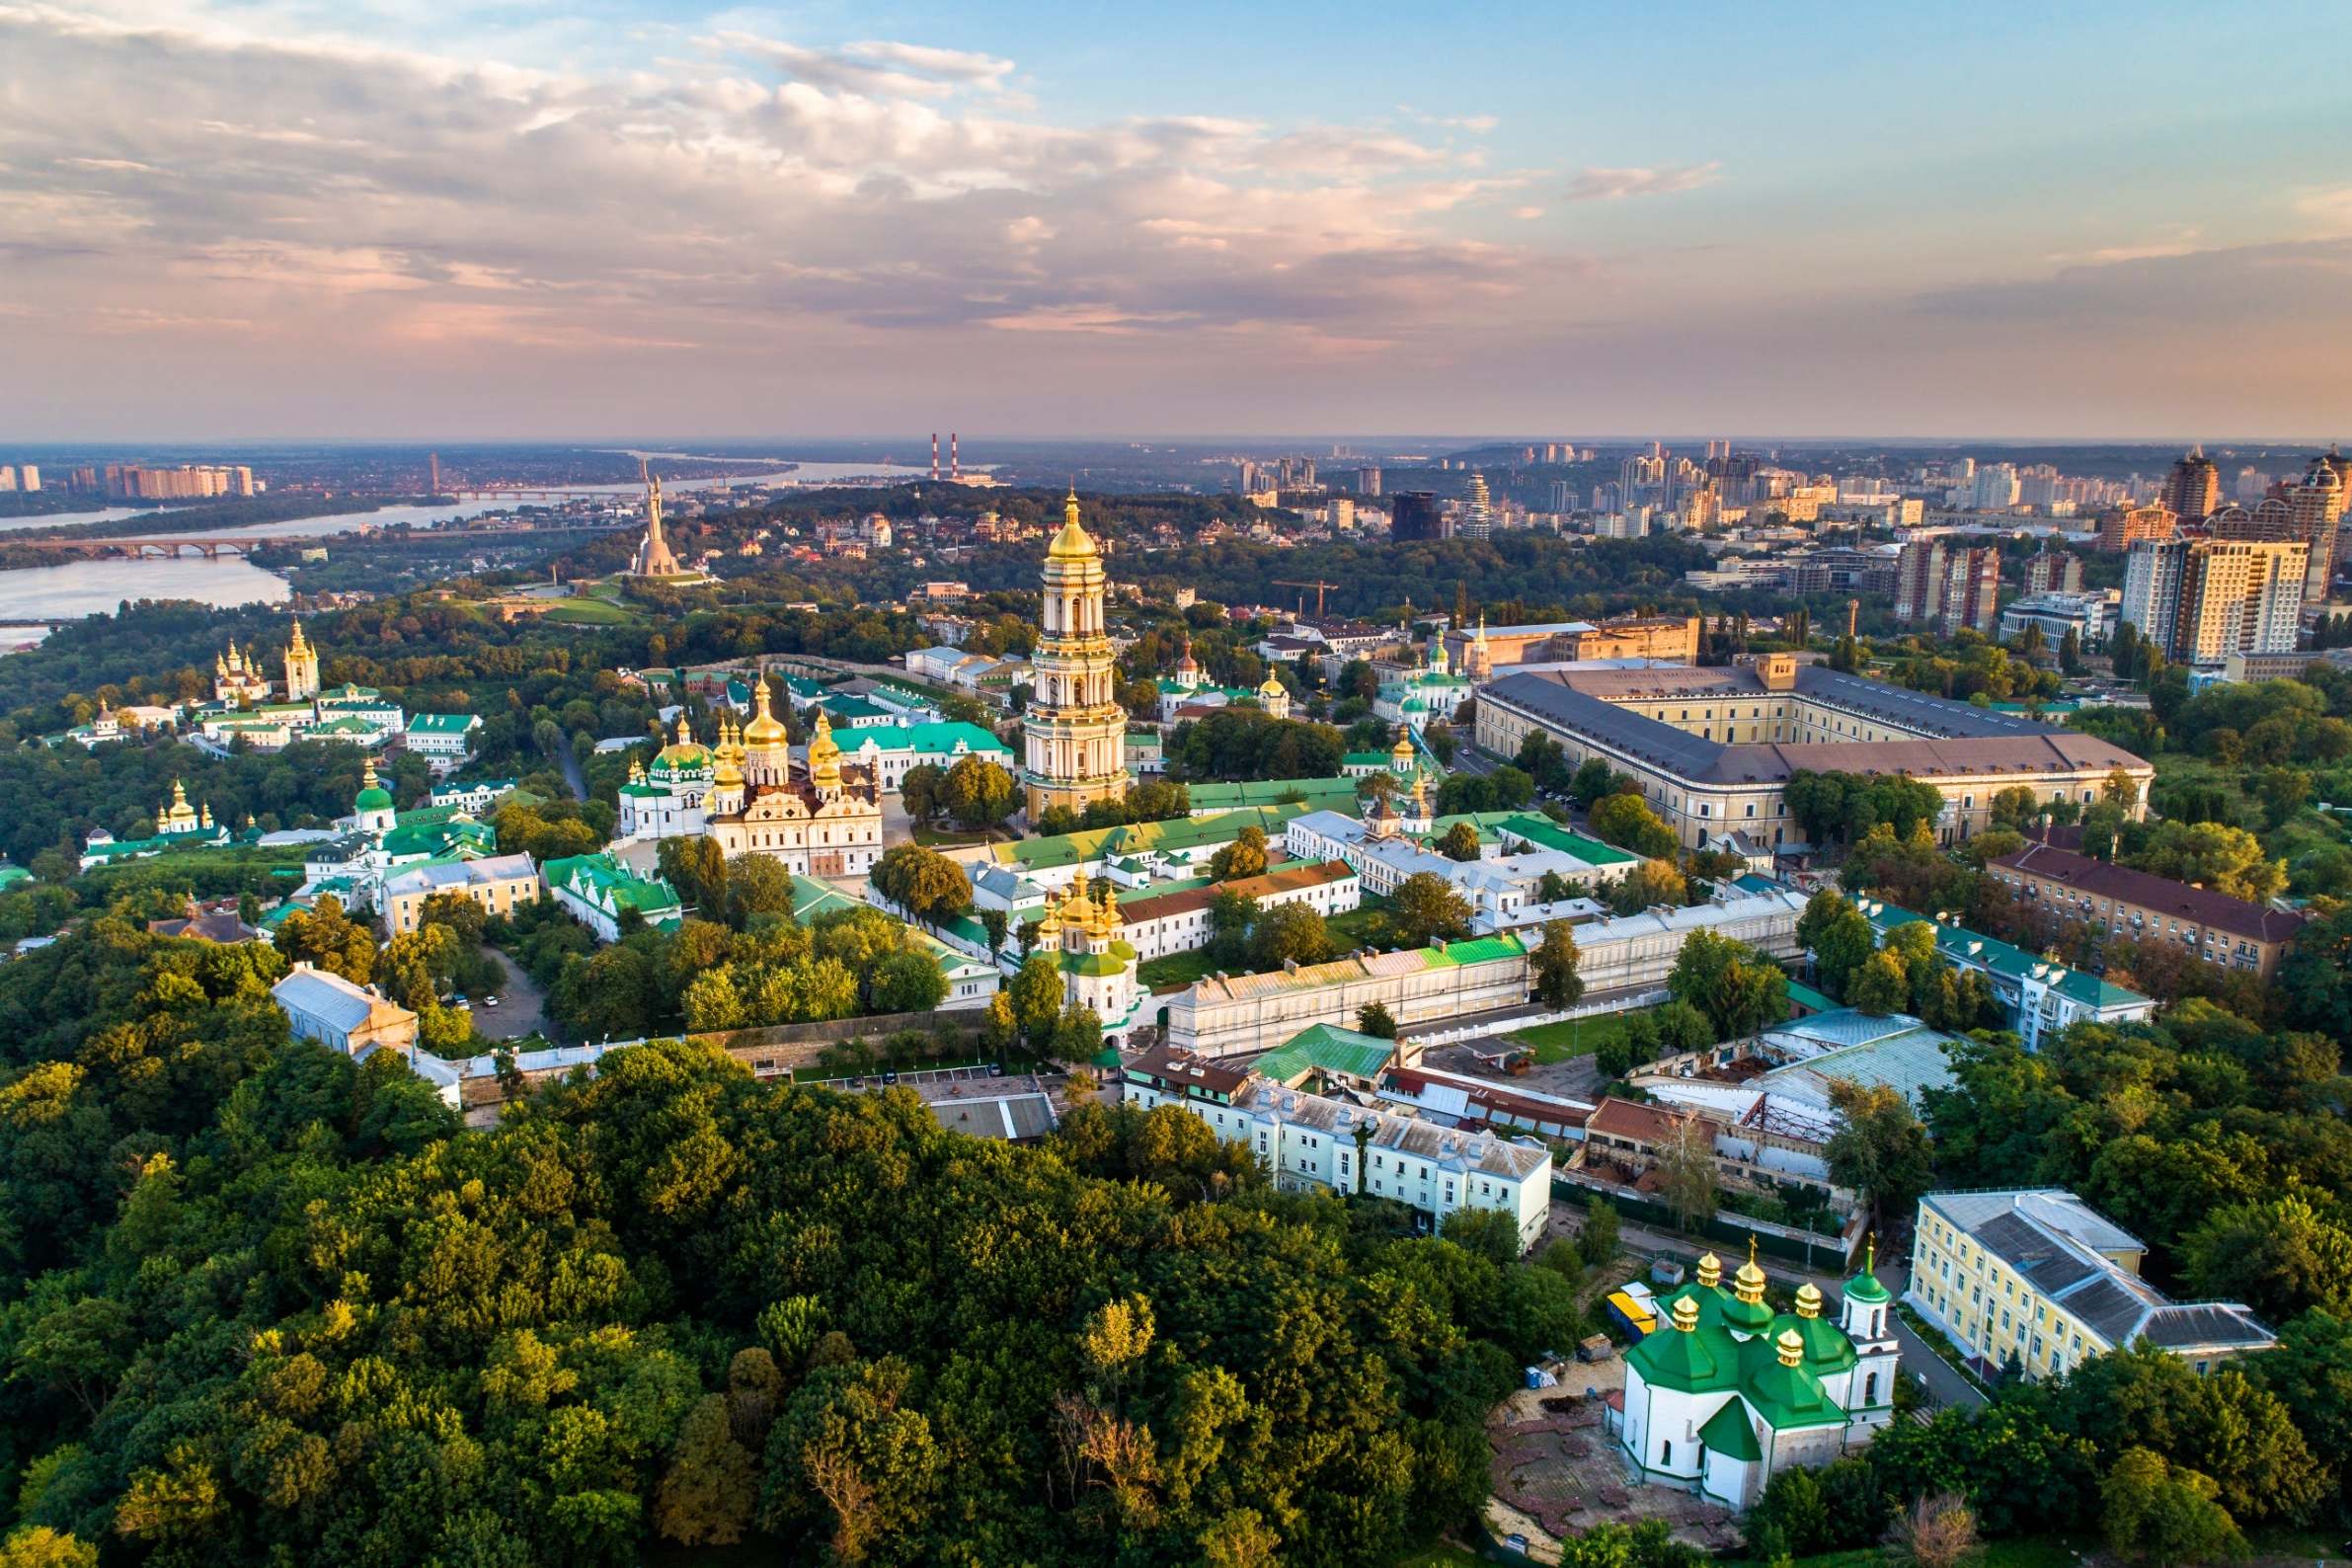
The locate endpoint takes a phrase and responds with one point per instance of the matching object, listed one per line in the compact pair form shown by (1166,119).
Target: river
(85,587)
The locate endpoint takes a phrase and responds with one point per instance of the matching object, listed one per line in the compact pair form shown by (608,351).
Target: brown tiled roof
(1287,879)
(1182,1066)
(1642,1124)
(2158,894)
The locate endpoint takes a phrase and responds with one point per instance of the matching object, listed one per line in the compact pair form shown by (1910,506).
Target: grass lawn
(1361,927)
(1176,969)
(590,613)
(935,836)
(1578,1037)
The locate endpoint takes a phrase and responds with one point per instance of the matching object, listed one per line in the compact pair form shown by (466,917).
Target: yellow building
(2040,1280)
(1074,732)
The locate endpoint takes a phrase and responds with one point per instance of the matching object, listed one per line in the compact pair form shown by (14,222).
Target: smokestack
(955,464)
(934,456)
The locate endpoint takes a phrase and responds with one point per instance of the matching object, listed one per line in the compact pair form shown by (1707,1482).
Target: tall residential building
(2314,511)
(1415,515)
(2199,600)
(2053,572)
(1994,488)
(2125,526)
(1642,477)
(1948,587)
(8,478)
(1478,510)
(2194,486)
(1074,734)
(1367,481)
(2038,485)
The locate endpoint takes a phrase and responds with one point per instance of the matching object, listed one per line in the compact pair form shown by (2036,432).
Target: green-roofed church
(1726,1392)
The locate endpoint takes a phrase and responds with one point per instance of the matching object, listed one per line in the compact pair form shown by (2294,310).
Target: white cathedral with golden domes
(1074,734)
(821,818)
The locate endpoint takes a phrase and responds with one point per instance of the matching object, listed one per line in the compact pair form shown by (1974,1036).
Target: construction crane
(1318,584)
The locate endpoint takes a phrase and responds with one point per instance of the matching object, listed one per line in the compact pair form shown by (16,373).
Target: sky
(428,219)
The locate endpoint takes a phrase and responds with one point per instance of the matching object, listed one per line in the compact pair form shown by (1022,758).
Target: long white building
(1306,1142)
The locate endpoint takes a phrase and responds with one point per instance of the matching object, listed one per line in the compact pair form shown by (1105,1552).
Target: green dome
(1864,1287)
(1747,1317)
(1827,1349)
(377,798)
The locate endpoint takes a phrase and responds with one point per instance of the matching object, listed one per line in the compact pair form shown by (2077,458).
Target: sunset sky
(424,220)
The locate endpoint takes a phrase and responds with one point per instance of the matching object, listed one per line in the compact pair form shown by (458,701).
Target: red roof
(2201,907)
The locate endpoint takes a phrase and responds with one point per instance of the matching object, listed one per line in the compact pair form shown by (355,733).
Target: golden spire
(686,733)
(204,816)
(636,771)
(297,645)
(729,767)
(1048,929)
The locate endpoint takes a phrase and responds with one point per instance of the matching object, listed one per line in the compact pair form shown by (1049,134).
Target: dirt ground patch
(1558,1470)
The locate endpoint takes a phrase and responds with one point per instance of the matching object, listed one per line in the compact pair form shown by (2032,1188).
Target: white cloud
(1614,185)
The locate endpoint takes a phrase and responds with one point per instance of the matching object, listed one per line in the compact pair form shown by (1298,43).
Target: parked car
(490,1002)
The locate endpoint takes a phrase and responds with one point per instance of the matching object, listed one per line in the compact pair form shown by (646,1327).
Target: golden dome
(764,729)
(1750,1279)
(1403,746)
(1710,1272)
(1791,1348)
(1686,1314)
(1050,928)
(1272,687)
(728,769)
(1073,544)
(825,753)
(1808,1300)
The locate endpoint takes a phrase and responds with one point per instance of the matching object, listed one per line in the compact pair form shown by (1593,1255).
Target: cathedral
(1725,1391)
(821,818)
(1080,933)
(237,678)
(1075,733)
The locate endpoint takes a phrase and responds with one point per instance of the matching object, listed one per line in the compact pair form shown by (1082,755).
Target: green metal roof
(1545,833)
(442,723)
(1807,998)
(811,898)
(941,736)
(1727,1433)
(1965,946)
(1704,1360)
(1326,1048)
(1323,794)
(1483,950)
(1180,834)
(600,874)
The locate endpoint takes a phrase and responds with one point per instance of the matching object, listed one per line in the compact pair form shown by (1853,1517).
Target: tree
(1598,1240)
(1459,843)
(1289,933)
(2229,860)
(1426,908)
(1880,986)
(1725,979)
(1593,782)
(921,881)
(906,983)
(978,793)
(1839,937)
(1554,963)
(1938,1531)
(1648,884)
(1686,1171)
(1231,917)
(707,1494)
(2279,1256)
(324,937)
(919,791)
(1035,991)
(1881,1150)
(1628,821)
(697,867)
(756,885)
(1245,856)
(2162,1514)
(1373,1019)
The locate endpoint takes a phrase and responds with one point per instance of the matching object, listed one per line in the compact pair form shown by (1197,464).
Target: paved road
(522,1008)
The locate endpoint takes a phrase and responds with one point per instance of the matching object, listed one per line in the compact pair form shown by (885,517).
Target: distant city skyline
(230,220)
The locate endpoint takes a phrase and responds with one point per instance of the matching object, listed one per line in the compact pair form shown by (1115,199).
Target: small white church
(1725,1392)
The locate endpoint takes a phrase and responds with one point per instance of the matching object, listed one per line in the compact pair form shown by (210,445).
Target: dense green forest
(259,1304)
